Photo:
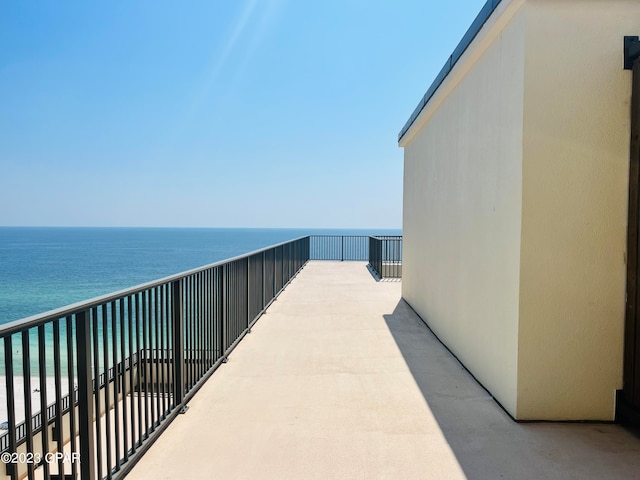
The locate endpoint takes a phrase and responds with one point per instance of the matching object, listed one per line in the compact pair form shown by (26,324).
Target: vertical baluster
(59,435)
(211,318)
(157,352)
(178,342)
(28,411)
(247,293)
(44,418)
(263,302)
(169,343)
(229,304)
(194,334)
(233,298)
(192,329)
(107,399)
(139,366)
(242,300)
(96,391)
(132,361)
(238,300)
(117,375)
(185,328)
(198,326)
(125,358)
(72,395)
(85,399)
(203,322)
(153,313)
(254,288)
(217,313)
(206,294)
(145,349)
(11,468)
(223,311)
(161,360)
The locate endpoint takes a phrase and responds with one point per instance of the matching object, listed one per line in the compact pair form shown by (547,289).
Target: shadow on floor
(487,443)
(377,278)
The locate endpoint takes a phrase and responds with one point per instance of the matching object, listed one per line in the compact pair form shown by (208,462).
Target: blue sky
(247,113)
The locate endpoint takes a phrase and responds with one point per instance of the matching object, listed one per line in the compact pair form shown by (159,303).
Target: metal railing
(385,256)
(122,366)
(112,372)
(37,420)
(339,247)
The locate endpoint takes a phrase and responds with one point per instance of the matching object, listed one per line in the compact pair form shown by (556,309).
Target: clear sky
(247,113)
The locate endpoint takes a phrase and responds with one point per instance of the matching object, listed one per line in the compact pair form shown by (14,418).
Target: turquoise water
(46,268)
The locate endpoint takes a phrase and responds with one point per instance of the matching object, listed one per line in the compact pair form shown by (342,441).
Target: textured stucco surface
(462,210)
(530,295)
(574,207)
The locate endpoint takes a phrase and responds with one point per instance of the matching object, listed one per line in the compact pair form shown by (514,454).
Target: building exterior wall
(515,206)
(574,208)
(462,206)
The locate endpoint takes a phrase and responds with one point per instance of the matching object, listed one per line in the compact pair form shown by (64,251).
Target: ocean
(42,268)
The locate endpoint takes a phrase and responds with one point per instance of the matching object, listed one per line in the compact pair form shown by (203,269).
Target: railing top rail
(38,319)
(337,235)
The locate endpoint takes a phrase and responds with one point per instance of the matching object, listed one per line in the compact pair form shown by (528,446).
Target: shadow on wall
(487,443)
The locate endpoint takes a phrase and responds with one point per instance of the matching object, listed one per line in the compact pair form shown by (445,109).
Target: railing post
(223,309)
(85,398)
(264,279)
(248,299)
(178,342)
(11,468)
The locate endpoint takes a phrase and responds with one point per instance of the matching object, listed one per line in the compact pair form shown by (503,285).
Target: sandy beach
(19,397)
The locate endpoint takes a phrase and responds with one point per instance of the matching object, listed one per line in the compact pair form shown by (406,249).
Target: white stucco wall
(574,207)
(515,204)
(462,205)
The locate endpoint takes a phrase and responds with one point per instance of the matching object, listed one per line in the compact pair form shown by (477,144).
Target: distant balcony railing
(101,379)
(339,247)
(385,256)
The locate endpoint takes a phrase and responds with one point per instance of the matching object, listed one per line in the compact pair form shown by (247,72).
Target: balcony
(341,379)
(290,367)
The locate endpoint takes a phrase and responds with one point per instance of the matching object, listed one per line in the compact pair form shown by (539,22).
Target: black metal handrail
(385,255)
(161,340)
(36,420)
(339,247)
(170,335)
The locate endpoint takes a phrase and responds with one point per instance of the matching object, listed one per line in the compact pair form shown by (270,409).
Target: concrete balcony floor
(340,379)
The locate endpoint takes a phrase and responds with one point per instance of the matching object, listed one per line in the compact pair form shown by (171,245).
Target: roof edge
(471,33)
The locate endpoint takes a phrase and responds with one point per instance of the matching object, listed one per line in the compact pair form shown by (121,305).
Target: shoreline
(18,385)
